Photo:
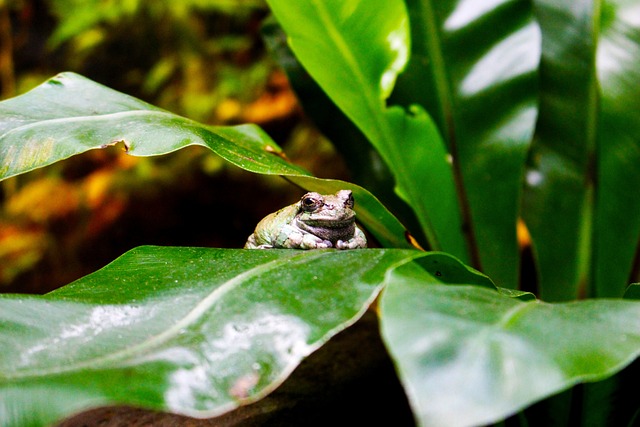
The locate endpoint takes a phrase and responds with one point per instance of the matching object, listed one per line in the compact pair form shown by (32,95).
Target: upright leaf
(474,68)
(617,210)
(559,183)
(366,167)
(328,37)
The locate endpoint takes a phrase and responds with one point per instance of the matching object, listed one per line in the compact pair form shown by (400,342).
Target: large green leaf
(617,208)
(557,205)
(327,37)
(201,331)
(366,168)
(469,356)
(474,68)
(583,161)
(558,198)
(188,330)
(69,114)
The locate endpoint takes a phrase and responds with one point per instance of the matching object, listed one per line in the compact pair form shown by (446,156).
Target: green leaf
(474,68)
(326,37)
(188,330)
(633,291)
(589,117)
(612,401)
(514,293)
(557,203)
(366,168)
(469,356)
(449,270)
(618,175)
(333,123)
(69,114)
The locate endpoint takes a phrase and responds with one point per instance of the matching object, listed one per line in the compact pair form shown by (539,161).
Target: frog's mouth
(330,229)
(327,223)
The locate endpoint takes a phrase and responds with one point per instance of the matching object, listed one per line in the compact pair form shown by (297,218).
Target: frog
(316,221)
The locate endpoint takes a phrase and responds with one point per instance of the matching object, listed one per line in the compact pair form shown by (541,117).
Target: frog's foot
(340,244)
(293,238)
(309,241)
(356,242)
(258,246)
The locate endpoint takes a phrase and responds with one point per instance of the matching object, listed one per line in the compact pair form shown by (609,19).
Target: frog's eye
(311,201)
(347,196)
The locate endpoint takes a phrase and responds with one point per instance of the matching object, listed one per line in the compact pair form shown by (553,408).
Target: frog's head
(330,217)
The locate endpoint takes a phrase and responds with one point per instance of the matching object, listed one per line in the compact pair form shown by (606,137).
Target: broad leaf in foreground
(186,330)
(469,356)
(201,331)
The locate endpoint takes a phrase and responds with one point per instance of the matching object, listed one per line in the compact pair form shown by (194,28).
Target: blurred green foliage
(188,56)
(203,59)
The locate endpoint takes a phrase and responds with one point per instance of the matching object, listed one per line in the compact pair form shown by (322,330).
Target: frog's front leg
(293,238)
(358,241)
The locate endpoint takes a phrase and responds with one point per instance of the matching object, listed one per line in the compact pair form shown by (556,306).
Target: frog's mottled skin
(315,222)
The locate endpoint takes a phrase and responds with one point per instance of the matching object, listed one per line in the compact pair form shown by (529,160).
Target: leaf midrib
(442,85)
(87,118)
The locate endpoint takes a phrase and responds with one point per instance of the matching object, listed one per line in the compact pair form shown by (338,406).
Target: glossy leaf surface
(576,212)
(200,331)
(617,206)
(469,356)
(474,68)
(69,114)
(187,330)
(558,197)
(359,80)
